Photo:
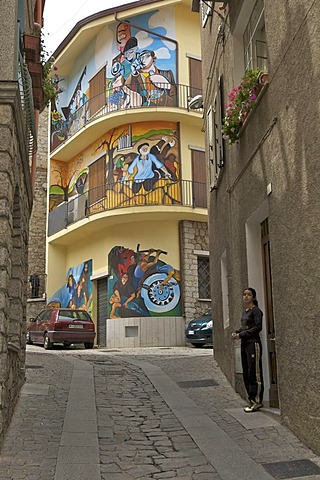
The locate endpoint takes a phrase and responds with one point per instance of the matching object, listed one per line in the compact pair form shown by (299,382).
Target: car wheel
(88,345)
(28,340)
(47,343)
(197,345)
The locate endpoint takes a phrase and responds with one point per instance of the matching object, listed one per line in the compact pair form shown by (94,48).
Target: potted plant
(242,100)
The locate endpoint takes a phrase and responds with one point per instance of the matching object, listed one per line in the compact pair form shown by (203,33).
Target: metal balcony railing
(119,195)
(25,87)
(122,98)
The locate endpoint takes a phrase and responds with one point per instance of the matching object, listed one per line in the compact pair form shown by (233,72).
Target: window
(254,39)
(215,138)
(225,290)
(206,11)
(199,184)
(204,278)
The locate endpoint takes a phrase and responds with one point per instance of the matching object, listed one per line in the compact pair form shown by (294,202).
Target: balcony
(117,101)
(114,196)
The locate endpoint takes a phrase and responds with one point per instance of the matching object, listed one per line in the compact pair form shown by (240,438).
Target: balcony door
(199,183)
(97,180)
(195,77)
(97,92)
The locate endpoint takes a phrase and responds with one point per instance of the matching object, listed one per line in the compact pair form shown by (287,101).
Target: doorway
(260,278)
(271,333)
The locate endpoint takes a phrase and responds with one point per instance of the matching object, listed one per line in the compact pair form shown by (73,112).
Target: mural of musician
(141,284)
(140,70)
(142,76)
(76,292)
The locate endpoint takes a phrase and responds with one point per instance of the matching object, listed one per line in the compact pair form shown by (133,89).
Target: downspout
(39,20)
(163,37)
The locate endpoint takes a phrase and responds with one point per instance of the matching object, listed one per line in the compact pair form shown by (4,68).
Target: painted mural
(142,284)
(141,70)
(76,292)
(140,164)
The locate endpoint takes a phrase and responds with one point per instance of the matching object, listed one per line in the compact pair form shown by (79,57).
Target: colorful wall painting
(142,284)
(141,164)
(76,292)
(140,55)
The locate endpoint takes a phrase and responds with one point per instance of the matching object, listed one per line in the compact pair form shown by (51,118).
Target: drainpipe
(39,21)
(163,37)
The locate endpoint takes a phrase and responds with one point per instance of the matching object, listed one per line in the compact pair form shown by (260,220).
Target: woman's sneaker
(254,407)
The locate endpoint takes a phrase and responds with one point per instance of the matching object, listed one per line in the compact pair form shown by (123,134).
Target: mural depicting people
(148,287)
(76,292)
(146,169)
(79,298)
(123,33)
(156,87)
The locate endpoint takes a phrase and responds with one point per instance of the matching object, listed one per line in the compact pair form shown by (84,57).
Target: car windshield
(74,315)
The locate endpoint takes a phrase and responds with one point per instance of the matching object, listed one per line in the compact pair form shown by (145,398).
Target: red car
(61,325)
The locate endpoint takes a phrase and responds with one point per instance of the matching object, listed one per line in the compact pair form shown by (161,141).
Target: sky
(60,16)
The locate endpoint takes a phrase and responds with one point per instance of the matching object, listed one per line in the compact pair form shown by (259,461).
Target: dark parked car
(61,325)
(199,332)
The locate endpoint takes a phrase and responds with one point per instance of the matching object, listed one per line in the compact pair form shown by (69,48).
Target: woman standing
(251,350)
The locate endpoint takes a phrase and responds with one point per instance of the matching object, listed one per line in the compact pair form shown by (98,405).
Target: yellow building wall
(187,35)
(162,235)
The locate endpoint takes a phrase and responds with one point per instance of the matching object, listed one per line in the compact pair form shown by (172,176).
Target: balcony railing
(119,195)
(112,100)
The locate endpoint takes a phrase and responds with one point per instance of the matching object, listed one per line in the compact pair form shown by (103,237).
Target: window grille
(204,278)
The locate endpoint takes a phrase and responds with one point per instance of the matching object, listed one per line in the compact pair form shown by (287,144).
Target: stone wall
(37,232)
(15,209)
(194,237)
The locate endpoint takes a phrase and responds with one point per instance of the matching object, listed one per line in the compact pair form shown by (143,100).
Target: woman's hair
(254,295)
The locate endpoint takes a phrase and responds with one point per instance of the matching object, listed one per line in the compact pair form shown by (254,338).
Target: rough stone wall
(37,232)
(15,209)
(194,236)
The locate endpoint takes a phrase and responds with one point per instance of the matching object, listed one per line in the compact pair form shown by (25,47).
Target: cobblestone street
(159,413)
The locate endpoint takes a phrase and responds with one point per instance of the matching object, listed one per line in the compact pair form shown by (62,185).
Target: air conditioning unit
(195,102)
(77,208)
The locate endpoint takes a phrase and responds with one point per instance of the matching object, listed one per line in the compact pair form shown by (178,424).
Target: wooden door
(195,77)
(97,180)
(97,92)
(271,331)
(199,184)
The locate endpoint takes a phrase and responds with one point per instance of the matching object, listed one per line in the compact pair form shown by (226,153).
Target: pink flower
(55,67)
(253,97)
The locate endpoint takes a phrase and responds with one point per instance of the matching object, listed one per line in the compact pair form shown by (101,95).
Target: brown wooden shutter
(199,178)
(97,180)
(195,76)
(97,91)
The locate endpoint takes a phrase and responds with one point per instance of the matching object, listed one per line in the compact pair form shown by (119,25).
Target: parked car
(61,325)
(199,331)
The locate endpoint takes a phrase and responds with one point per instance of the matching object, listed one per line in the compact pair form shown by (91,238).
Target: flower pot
(32,48)
(263,78)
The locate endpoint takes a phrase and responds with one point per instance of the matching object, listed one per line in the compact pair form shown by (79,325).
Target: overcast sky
(60,16)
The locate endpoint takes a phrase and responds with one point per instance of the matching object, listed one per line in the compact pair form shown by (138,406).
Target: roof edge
(97,16)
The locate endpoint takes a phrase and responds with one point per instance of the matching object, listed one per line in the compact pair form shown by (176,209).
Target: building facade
(127,221)
(264,195)
(19,103)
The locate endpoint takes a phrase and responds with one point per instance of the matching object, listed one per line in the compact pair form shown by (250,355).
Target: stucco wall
(278,148)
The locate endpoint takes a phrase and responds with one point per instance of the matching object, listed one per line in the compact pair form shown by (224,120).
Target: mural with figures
(76,292)
(140,58)
(135,164)
(142,284)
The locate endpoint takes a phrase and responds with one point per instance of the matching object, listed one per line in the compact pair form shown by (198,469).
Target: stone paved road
(139,414)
